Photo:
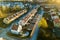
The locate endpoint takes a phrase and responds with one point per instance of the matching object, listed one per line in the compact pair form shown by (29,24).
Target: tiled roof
(56,20)
(15,27)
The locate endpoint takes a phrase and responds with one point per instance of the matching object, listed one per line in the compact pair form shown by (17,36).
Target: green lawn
(3,25)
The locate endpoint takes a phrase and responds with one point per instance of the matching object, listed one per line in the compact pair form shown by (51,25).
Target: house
(11,18)
(56,22)
(52,11)
(16,29)
(54,17)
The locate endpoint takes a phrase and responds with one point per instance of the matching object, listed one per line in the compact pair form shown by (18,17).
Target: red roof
(14,27)
(56,20)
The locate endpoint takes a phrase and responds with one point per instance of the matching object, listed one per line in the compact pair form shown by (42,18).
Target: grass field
(3,25)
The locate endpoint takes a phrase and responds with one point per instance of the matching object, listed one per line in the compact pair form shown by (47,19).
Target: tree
(43,23)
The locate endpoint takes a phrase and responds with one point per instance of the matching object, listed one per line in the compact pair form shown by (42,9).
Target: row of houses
(11,18)
(22,22)
(27,17)
(17,28)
